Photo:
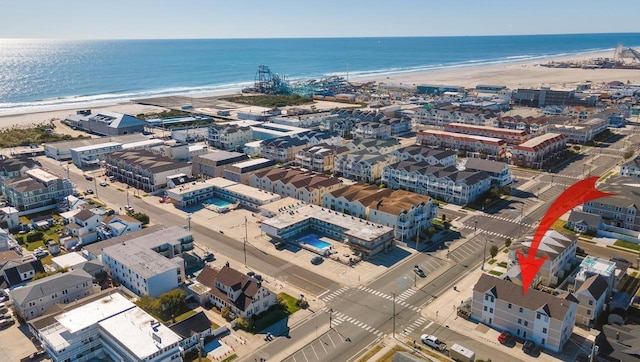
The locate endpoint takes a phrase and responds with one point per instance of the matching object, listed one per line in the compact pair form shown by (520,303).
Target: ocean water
(38,75)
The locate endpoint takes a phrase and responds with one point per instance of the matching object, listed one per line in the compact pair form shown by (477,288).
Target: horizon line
(327,37)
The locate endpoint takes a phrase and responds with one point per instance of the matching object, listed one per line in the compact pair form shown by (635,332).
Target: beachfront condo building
(442,183)
(432,156)
(306,186)
(90,156)
(37,191)
(559,250)
(534,152)
(105,326)
(406,212)
(465,145)
(144,170)
(363,130)
(365,238)
(361,166)
(13,167)
(543,318)
(441,117)
(512,136)
(229,136)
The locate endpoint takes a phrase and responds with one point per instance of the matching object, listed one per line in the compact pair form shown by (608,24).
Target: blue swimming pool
(218,202)
(314,240)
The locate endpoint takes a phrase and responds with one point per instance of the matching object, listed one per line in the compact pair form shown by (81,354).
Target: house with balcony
(229,136)
(559,250)
(241,171)
(535,126)
(619,212)
(381,146)
(117,225)
(534,152)
(465,145)
(245,296)
(14,167)
(37,191)
(361,166)
(631,168)
(593,284)
(282,149)
(511,136)
(319,158)
(405,212)
(306,186)
(90,156)
(364,130)
(580,132)
(432,156)
(500,172)
(213,163)
(443,183)
(543,318)
(84,226)
(144,170)
(442,116)
(35,298)
(316,137)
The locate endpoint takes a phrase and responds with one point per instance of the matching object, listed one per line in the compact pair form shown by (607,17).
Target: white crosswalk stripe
(334,294)
(399,298)
(339,317)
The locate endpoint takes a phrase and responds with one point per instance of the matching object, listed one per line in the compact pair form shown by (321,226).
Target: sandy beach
(524,74)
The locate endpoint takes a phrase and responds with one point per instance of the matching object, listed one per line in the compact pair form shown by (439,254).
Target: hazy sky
(138,19)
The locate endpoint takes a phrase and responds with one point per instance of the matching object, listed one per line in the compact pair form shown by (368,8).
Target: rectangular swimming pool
(218,202)
(314,240)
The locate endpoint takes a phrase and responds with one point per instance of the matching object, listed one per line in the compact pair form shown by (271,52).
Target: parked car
(103,184)
(88,178)
(6,322)
(208,256)
(419,271)
(128,208)
(433,342)
(528,347)
(316,260)
(504,337)
(251,273)
(279,245)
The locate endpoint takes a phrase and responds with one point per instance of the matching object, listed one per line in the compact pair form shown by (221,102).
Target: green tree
(173,301)
(244,323)
(143,218)
(149,305)
(225,312)
(493,251)
(507,242)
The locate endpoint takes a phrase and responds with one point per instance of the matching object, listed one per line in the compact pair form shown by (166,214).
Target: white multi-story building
(432,156)
(500,172)
(302,185)
(143,169)
(362,166)
(465,145)
(581,132)
(106,327)
(512,136)
(39,190)
(592,295)
(543,318)
(319,158)
(443,183)
(560,253)
(35,298)
(86,156)
(371,130)
(619,212)
(282,149)
(442,117)
(84,226)
(229,136)
(118,225)
(631,168)
(229,192)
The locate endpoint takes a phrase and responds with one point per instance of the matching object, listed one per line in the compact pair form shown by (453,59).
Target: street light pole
(330,317)
(244,245)
(189,221)
(484,253)
(394,315)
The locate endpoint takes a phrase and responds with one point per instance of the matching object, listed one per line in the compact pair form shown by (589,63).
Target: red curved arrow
(578,193)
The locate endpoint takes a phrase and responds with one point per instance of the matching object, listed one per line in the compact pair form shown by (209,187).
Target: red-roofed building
(512,136)
(465,145)
(535,151)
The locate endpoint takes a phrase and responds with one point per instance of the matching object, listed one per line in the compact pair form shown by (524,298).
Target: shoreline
(516,74)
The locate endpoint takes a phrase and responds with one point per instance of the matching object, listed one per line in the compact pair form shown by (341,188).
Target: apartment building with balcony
(241,171)
(229,136)
(443,116)
(560,253)
(465,145)
(534,152)
(363,237)
(443,183)
(580,132)
(619,212)
(543,318)
(144,170)
(214,193)
(14,167)
(535,126)
(361,166)
(282,149)
(511,136)
(382,146)
(319,158)
(432,156)
(38,190)
(363,130)
(405,212)
(499,172)
(306,186)
(90,156)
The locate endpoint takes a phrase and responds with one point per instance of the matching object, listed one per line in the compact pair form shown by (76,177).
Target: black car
(419,271)
(208,257)
(528,347)
(316,260)
(279,245)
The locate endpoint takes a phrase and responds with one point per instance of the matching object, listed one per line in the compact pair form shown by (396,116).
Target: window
(544,330)
(591,302)
(520,309)
(588,311)
(509,306)
(519,321)
(490,310)
(526,323)
(537,315)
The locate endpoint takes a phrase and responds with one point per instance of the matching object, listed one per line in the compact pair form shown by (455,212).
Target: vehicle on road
(6,322)
(90,191)
(279,245)
(419,271)
(504,337)
(88,178)
(103,184)
(128,208)
(208,257)
(462,354)
(528,347)
(316,260)
(433,342)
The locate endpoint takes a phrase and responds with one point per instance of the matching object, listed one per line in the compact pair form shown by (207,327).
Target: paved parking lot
(15,343)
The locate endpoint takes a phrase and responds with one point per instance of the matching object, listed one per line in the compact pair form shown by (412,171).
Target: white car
(128,208)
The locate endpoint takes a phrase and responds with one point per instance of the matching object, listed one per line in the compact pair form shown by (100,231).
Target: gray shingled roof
(49,285)
(535,300)
(479,164)
(592,220)
(596,285)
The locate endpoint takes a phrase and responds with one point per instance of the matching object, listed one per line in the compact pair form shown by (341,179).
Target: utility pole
(95,186)
(128,204)
(484,253)
(330,317)
(244,245)
(394,315)
(417,236)
(189,221)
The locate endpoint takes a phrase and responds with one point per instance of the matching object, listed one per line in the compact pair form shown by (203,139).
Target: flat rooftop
(139,259)
(42,175)
(539,140)
(252,162)
(462,135)
(356,227)
(139,332)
